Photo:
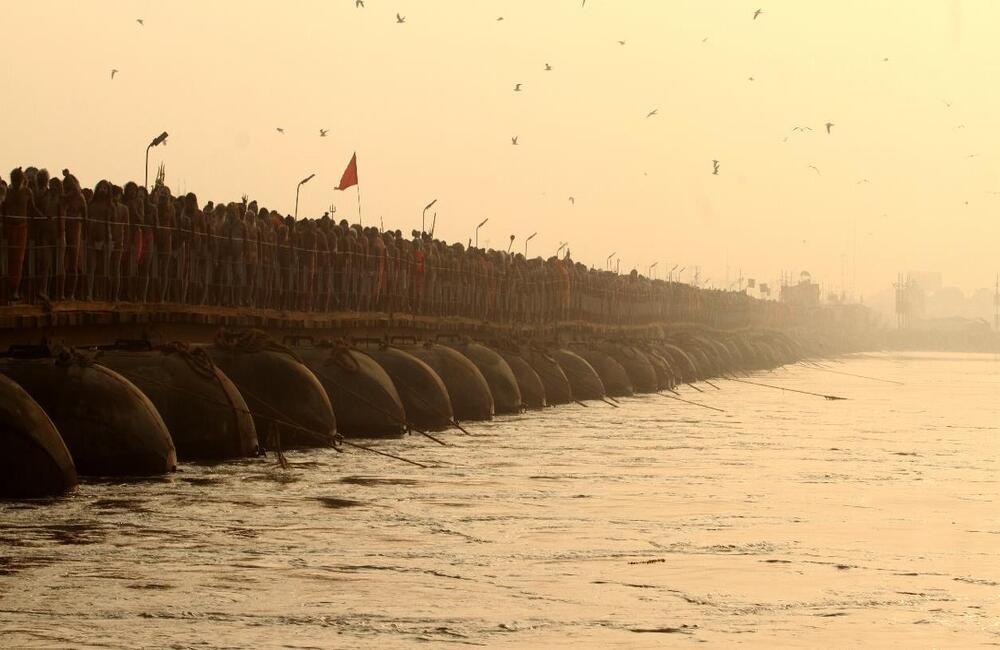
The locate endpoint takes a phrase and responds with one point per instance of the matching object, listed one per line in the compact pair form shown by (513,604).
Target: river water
(787,520)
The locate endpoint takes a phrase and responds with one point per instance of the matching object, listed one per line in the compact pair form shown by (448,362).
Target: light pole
(423,216)
(651,267)
(156,141)
(530,237)
(512,237)
(297,188)
(481,224)
(562,245)
(670,275)
(607,262)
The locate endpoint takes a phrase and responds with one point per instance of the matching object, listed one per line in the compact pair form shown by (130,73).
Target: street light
(512,237)
(530,237)
(607,262)
(481,224)
(297,188)
(670,274)
(156,141)
(651,267)
(423,216)
(562,245)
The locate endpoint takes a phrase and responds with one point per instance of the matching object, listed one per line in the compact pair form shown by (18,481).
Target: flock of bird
(518,88)
(400,19)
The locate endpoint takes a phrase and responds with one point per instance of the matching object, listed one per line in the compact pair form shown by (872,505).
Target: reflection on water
(786,520)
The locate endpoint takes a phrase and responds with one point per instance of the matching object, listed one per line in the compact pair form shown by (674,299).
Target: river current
(786,520)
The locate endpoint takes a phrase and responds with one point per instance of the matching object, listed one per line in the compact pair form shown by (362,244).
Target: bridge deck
(85,323)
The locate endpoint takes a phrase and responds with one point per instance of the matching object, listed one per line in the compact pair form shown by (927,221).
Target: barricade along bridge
(113,262)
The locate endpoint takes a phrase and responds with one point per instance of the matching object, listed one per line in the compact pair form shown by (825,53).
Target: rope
(66,355)
(686,401)
(196,358)
(341,355)
(252,340)
(791,390)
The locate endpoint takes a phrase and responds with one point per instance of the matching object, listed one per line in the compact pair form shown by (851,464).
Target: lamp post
(562,245)
(607,262)
(512,237)
(423,216)
(670,274)
(481,224)
(651,267)
(297,188)
(530,237)
(156,141)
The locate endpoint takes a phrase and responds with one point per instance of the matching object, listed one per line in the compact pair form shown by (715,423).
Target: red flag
(350,176)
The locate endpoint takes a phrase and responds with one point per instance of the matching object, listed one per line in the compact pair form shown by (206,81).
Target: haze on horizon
(429,107)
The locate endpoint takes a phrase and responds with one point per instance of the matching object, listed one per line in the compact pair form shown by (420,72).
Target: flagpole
(358,186)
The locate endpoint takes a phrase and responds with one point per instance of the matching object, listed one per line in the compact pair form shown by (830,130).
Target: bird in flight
(323,132)
(960,126)
(359,4)
(973,155)
(802,128)
(815,169)
(948,104)
(499,18)
(517,88)
(400,19)
(140,21)
(863,181)
(114,71)
(547,67)
(750,79)
(715,167)
(513,140)
(704,40)
(652,112)
(572,200)
(280,130)
(621,42)
(829,125)
(757,13)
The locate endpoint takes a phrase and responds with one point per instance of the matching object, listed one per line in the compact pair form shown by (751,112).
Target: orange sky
(429,107)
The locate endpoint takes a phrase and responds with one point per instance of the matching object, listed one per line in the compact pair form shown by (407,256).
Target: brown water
(787,520)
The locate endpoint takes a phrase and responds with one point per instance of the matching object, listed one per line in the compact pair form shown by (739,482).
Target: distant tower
(996,304)
(900,302)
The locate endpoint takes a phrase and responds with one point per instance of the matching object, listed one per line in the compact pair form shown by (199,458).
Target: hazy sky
(429,107)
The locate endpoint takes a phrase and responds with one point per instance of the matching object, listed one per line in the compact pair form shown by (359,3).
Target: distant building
(804,294)
(929,281)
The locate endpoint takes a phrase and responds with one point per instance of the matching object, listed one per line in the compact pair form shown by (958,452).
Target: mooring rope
(791,390)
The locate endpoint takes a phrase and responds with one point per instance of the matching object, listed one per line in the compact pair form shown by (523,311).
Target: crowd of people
(110,243)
